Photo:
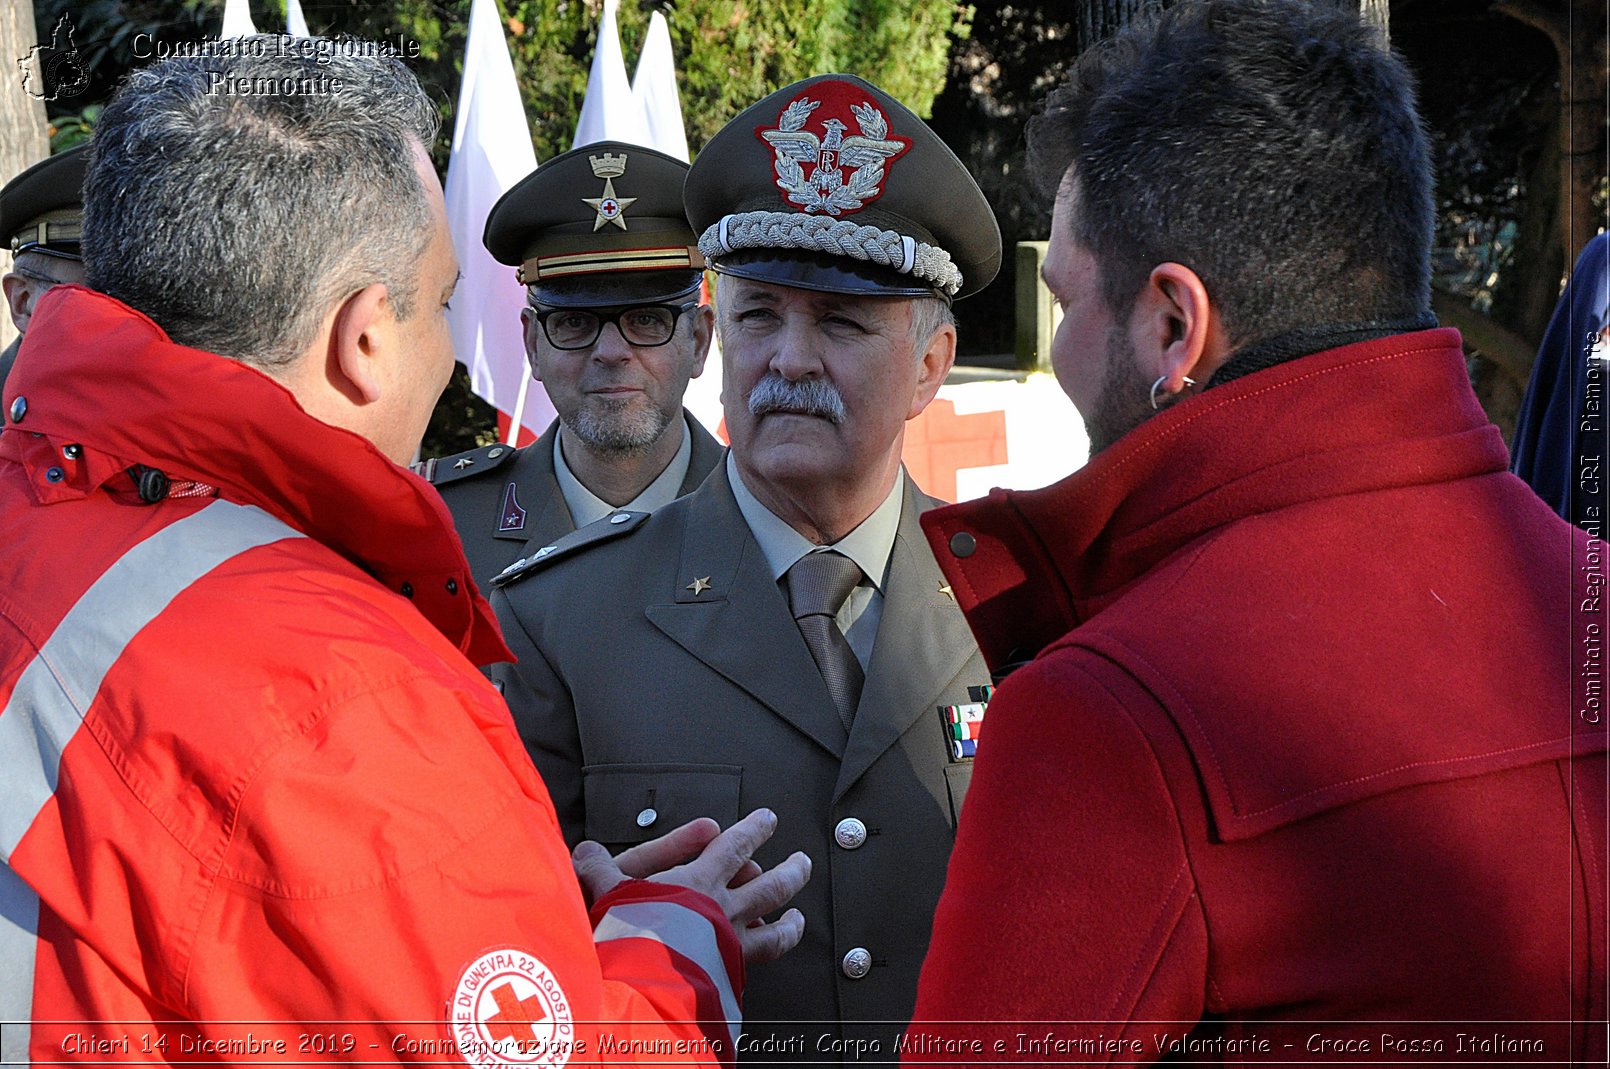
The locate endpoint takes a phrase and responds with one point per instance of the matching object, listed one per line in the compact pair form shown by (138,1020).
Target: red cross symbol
(515,1017)
(609,207)
(939,443)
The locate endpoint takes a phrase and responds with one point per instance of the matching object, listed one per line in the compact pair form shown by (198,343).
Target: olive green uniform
(480,485)
(662,677)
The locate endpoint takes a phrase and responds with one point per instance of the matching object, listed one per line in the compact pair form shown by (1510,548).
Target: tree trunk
(1577,30)
(23,140)
(1100,19)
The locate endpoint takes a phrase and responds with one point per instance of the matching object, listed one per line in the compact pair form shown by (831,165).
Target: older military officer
(614,329)
(782,636)
(41,218)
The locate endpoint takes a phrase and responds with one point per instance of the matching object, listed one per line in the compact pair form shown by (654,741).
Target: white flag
(654,86)
(609,112)
(491,152)
(238,19)
(295,24)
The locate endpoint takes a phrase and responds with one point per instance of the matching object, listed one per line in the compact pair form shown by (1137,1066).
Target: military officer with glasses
(41,217)
(614,329)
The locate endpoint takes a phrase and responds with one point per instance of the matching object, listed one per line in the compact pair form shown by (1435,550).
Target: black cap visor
(607,289)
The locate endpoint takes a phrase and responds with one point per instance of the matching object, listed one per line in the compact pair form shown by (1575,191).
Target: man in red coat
(1301,757)
(256,804)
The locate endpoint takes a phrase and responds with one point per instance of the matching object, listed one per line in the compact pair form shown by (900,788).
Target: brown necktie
(818,583)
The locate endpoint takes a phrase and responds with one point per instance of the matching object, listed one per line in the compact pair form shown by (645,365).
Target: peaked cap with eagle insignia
(831,184)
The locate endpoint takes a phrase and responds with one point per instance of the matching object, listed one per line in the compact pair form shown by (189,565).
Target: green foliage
(70,131)
(730,53)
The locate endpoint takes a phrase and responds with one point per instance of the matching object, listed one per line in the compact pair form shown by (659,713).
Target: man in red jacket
(255,802)
(1303,759)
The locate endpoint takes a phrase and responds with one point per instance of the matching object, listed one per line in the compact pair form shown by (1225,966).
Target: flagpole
(519,412)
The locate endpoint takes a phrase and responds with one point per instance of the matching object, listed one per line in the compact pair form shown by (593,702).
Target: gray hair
(235,196)
(928,314)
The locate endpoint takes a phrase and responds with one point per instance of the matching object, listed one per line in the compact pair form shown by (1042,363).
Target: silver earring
(1158,384)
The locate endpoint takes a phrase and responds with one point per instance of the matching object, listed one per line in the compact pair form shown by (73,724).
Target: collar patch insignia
(610,208)
(810,166)
(512,517)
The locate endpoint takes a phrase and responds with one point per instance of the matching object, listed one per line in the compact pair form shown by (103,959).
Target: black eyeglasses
(642,325)
(37,277)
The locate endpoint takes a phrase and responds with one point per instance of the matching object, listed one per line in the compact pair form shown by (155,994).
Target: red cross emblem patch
(509,1010)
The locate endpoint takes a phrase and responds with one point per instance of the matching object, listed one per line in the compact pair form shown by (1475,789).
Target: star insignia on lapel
(699,585)
(463,463)
(944,588)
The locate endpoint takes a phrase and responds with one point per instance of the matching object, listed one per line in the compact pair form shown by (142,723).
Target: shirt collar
(587,507)
(869,545)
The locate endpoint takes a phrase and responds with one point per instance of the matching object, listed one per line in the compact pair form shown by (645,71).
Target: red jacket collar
(1028,566)
(97,373)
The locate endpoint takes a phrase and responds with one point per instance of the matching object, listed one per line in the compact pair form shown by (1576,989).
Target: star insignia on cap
(610,208)
(699,585)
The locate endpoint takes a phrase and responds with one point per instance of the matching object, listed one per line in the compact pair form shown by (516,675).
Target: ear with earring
(1159,385)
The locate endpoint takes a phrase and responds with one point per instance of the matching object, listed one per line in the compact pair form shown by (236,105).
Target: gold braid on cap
(838,237)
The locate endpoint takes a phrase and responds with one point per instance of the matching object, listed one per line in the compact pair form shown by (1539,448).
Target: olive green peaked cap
(42,209)
(832,184)
(599,225)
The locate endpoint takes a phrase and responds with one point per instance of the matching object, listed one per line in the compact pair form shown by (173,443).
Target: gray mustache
(809,397)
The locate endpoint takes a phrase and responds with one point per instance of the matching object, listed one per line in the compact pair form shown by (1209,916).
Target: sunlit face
(1092,354)
(618,397)
(425,359)
(857,348)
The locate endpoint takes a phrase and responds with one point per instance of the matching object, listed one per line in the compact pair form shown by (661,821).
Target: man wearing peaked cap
(782,635)
(614,329)
(41,218)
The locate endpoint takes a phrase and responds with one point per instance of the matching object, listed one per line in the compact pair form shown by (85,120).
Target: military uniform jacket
(504,518)
(660,677)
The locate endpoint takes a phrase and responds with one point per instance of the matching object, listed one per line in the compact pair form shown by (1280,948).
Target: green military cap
(600,225)
(831,184)
(42,209)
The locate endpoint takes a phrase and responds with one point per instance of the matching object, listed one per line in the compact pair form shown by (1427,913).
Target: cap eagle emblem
(826,189)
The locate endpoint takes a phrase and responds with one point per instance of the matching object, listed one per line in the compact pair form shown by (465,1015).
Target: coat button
(452,586)
(55,475)
(19,409)
(962,544)
(857,963)
(647,817)
(72,452)
(850,833)
(619,517)
(407,590)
